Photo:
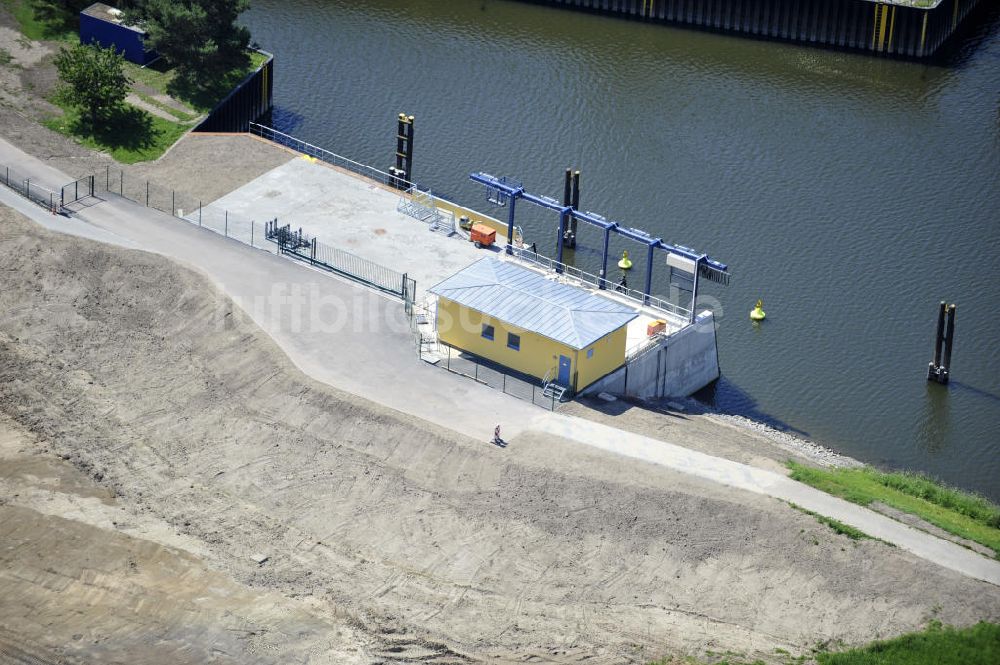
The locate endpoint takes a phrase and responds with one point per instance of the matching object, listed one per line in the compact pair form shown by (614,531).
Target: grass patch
(838,526)
(941,645)
(960,513)
(44,21)
(133,136)
(180,115)
(201,95)
(935,645)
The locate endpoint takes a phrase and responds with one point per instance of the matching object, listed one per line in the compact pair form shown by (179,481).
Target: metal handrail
(641,298)
(333,158)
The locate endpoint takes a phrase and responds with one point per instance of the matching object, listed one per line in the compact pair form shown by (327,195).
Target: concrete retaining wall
(680,365)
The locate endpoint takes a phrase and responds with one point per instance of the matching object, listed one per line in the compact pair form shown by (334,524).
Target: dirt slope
(414,543)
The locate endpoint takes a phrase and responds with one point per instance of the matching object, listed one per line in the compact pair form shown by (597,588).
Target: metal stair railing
(551,388)
(419,204)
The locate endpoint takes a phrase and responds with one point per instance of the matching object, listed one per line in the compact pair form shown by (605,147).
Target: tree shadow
(205,86)
(57,18)
(126,127)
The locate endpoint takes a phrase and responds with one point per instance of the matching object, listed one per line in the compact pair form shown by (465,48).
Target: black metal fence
(516,384)
(145,192)
(296,244)
(21,183)
(79,189)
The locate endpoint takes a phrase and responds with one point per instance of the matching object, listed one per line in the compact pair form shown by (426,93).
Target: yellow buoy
(757,314)
(625,263)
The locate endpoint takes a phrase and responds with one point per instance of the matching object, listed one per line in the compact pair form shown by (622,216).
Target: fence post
(121,183)
(91,185)
(107,178)
(76,190)
(147,193)
(173,203)
(199,213)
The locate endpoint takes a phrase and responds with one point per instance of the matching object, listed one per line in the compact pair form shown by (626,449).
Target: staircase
(552,389)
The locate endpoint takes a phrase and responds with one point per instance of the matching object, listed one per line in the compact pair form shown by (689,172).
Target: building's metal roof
(528,300)
(109,14)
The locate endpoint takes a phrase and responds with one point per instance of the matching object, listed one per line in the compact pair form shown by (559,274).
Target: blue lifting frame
(510,192)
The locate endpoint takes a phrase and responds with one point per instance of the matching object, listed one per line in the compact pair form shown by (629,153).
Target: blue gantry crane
(507,192)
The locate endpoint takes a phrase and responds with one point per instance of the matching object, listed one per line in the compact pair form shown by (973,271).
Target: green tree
(94,81)
(196,36)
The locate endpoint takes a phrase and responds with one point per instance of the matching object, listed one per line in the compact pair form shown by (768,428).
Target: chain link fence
(516,384)
(182,206)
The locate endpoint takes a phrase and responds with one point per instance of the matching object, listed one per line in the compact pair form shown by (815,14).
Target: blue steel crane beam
(703,265)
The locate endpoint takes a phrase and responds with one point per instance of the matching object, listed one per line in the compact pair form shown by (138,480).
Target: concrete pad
(350,213)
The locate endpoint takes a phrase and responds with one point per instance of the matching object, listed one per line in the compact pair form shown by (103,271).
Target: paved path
(762,481)
(359,341)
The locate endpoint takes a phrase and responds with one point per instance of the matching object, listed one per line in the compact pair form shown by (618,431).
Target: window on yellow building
(513,341)
(488,332)
(590,354)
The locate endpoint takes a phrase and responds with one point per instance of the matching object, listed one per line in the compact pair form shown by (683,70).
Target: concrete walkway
(359,341)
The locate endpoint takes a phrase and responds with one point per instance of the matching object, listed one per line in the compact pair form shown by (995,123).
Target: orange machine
(657,326)
(482,235)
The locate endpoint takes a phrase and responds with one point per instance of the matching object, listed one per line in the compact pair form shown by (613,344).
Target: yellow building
(523,320)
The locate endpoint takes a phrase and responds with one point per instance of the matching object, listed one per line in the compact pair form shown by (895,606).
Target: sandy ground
(386,538)
(85,580)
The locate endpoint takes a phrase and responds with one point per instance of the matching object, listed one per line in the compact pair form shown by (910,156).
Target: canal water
(852,194)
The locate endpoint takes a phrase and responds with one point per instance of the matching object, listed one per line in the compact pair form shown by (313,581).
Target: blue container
(100,25)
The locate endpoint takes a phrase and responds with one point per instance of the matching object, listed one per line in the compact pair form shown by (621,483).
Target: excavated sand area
(173,490)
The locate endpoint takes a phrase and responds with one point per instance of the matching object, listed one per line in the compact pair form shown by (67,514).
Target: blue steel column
(510,224)
(604,259)
(694,288)
(649,271)
(563,214)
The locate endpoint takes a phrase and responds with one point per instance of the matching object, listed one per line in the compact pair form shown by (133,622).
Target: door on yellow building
(564,367)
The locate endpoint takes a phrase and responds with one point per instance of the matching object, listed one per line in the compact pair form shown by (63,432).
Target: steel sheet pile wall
(860,24)
(247,103)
